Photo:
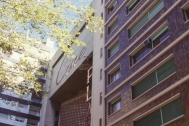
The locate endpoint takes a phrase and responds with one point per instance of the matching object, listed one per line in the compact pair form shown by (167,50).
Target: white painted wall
(97,110)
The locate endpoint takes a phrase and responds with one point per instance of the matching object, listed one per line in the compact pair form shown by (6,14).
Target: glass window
(100,98)
(150,44)
(101,52)
(146,17)
(112,6)
(114,76)
(100,74)
(144,85)
(132,5)
(113,50)
(187,13)
(100,122)
(162,115)
(112,27)
(141,53)
(160,36)
(165,70)
(154,78)
(115,105)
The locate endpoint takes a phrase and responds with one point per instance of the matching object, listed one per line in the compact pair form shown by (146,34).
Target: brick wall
(177,27)
(73,112)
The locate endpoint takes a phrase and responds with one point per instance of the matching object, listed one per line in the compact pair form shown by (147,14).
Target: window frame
(100,98)
(142,17)
(111,104)
(100,74)
(133,3)
(154,70)
(101,52)
(100,122)
(159,108)
(111,7)
(185,10)
(114,76)
(111,47)
(111,24)
(163,29)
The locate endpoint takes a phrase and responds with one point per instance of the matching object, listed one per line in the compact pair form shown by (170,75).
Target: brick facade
(177,27)
(73,112)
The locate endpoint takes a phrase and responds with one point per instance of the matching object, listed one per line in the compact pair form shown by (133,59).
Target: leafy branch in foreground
(26,23)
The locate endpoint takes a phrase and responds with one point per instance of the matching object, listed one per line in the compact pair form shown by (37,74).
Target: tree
(44,18)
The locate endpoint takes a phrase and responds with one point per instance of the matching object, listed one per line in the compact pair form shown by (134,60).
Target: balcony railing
(34,113)
(35,100)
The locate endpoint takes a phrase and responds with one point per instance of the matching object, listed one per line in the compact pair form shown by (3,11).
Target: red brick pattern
(73,112)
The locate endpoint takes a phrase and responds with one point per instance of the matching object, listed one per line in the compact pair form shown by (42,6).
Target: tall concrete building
(146,63)
(76,86)
(22,111)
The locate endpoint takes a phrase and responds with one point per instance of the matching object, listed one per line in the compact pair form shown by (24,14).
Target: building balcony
(36,100)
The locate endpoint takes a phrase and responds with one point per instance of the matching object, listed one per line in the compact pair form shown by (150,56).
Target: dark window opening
(160,38)
(100,98)
(100,74)
(186,14)
(115,105)
(113,50)
(101,53)
(150,44)
(114,76)
(111,8)
(133,4)
(100,122)
(112,27)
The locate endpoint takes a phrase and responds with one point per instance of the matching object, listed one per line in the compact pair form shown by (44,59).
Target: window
(112,27)
(101,74)
(162,115)
(19,119)
(56,113)
(140,54)
(101,52)
(112,6)
(102,15)
(100,122)
(151,43)
(100,98)
(154,78)
(186,13)
(113,50)
(55,123)
(114,76)
(157,7)
(132,5)
(160,36)
(115,105)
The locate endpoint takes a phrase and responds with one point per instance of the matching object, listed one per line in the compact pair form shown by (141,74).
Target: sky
(76,2)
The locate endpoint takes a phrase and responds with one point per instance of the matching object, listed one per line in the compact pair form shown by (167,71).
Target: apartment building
(146,62)
(22,111)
